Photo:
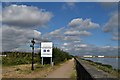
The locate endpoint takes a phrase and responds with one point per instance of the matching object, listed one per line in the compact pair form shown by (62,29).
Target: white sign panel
(46,49)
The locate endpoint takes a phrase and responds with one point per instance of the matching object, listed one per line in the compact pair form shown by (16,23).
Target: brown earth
(64,70)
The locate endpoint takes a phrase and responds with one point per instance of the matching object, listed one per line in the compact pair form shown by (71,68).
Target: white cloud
(75,22)
(69,5)
(19,24)
(71,32)
(77,49)
(65,44)
(77,41)
(0,16)
(115,38)
(56,34)
(77,33)
(112,26)
(81,24)
(81,45)
(15,37)
(57,31)
(70,38)
(106,47)
(74,30)
(25,16)
(85,33)
(37,34)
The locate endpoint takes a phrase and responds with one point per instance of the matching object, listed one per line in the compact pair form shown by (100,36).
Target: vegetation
(17,58)
(60,56)
(74,74)
(104,67)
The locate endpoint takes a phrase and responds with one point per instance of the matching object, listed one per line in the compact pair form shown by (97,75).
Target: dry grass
(24,71)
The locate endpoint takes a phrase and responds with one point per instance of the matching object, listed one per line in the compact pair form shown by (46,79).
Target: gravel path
(65,70)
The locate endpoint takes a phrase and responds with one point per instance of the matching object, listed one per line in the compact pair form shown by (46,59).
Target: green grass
(73,75)
(18,58)
(105,67)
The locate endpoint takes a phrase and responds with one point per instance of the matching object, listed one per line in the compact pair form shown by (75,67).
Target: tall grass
(17,58)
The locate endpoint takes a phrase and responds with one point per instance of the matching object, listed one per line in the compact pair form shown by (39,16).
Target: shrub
(60,56)
(17,58)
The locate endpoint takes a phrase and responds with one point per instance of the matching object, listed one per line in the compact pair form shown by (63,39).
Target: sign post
(33,42)
(46,50)
(42,60)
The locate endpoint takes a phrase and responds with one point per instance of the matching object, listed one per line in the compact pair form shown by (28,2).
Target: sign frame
(46,49)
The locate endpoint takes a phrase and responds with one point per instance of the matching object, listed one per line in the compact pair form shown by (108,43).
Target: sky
(72,26)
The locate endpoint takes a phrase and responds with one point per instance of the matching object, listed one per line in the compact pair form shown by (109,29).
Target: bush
(17,58)
(60,56)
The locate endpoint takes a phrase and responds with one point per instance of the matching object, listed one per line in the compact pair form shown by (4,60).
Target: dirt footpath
(64,71)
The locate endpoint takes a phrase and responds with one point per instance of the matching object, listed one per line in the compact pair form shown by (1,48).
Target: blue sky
(63,13)
(96,11)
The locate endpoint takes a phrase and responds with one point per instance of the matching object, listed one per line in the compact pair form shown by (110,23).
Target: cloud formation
(13,38)
(19,24)
(72,42)
(112,26)
(69,5)
(70,36)
(56,32)
(81,24)
(77,33)
(81,49)
(37,34)
(25,16)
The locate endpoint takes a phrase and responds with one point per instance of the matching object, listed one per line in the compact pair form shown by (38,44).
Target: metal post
(42,60)
(33,42)
(33,58)
(51,61)
(40,52)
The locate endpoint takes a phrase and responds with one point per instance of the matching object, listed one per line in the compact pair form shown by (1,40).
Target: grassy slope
(17,58)
(104,67)
(18,64)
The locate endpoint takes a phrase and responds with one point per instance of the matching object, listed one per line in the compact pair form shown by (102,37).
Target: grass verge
(105,67)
